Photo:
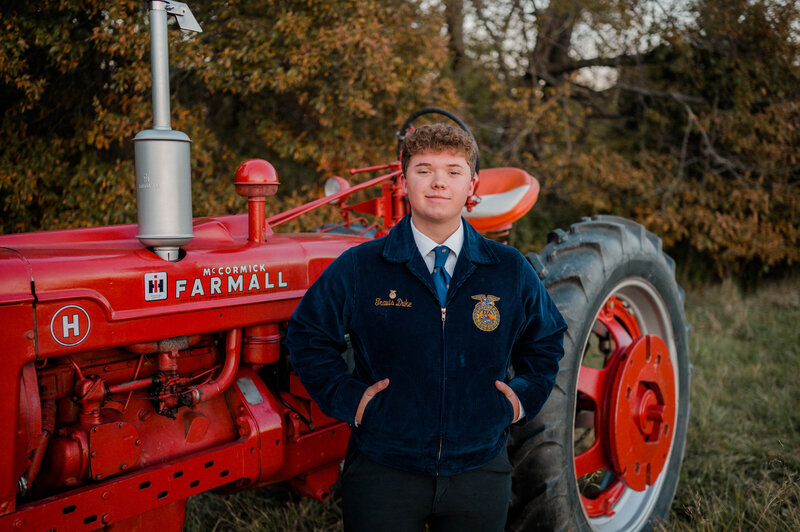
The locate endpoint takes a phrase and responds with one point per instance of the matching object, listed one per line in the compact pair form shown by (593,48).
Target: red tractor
(144,363)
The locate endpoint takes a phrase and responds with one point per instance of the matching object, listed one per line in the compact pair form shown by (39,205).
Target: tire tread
(573,267)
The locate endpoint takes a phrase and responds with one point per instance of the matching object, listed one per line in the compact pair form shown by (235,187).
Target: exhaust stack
(162,159)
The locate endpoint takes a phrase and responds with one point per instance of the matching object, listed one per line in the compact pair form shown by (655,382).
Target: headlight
(334,185)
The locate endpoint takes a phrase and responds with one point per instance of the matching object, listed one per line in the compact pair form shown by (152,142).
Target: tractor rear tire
(597,263)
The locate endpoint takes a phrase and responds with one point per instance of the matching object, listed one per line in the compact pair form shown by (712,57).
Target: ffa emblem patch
(485,315)
(392,294)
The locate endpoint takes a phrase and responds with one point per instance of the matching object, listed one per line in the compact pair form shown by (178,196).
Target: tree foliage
(731,134)
(311,86)
(682,114)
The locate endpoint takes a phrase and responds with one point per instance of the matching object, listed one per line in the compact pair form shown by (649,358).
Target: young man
(436,315)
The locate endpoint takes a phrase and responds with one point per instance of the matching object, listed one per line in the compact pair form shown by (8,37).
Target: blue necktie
(441,279)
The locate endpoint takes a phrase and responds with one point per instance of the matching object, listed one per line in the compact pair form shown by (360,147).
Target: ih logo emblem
(155,286)
(70,325)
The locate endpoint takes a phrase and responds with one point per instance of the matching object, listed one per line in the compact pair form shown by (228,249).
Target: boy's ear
(472,184)
(402,180)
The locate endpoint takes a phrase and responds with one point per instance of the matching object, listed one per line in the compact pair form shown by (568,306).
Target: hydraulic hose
(216,387)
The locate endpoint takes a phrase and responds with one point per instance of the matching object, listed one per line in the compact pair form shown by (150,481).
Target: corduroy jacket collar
(401,248)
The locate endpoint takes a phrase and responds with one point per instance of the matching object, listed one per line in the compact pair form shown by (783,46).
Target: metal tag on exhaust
(183,15)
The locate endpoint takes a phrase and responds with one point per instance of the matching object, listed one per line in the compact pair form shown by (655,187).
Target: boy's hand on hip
(506,390)
(369,393)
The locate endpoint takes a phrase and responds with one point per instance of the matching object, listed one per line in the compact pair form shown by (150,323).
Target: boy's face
(438,184)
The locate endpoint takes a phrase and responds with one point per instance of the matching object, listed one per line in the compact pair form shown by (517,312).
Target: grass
(261,510)
(742,469)
(742,466)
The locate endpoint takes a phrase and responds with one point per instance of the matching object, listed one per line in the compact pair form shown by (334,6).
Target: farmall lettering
(216,281)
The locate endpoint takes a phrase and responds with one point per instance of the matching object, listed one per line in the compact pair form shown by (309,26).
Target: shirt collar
(399,245)
(425,244)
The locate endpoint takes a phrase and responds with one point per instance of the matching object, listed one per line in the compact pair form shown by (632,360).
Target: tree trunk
(454,16)
(554,35)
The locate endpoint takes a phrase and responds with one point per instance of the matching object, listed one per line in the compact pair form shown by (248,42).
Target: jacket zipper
(441,415)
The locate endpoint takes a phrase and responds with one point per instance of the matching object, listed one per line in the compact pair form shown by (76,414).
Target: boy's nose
(438,180)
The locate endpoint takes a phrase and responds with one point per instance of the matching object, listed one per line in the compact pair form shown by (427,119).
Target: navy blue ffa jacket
(441,414)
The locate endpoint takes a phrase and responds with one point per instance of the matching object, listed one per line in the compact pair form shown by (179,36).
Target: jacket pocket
(371,408)
(508,408)
(394,420)
(479,420)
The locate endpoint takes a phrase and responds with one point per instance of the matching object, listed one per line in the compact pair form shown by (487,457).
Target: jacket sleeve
(316,340)
(539,346)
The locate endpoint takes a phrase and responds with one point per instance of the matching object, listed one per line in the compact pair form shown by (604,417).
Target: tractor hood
(92,286)
(15,278)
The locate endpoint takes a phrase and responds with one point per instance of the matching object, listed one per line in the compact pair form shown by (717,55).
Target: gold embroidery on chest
(485,315)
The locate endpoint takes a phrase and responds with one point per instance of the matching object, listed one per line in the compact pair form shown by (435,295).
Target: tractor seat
(506,195)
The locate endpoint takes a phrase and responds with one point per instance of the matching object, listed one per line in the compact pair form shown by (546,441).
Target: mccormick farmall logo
(215,282)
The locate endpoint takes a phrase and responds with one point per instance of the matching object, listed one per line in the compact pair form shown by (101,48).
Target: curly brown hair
(439,138)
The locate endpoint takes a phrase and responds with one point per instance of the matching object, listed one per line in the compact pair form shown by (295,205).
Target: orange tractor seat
(506,194)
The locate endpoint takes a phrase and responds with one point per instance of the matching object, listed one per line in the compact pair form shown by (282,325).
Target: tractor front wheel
(606,450)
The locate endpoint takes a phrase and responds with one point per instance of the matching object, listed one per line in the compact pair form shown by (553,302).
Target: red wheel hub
(630,404)
(641,407)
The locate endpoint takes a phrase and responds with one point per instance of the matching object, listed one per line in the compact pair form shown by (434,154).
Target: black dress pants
(377,498)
